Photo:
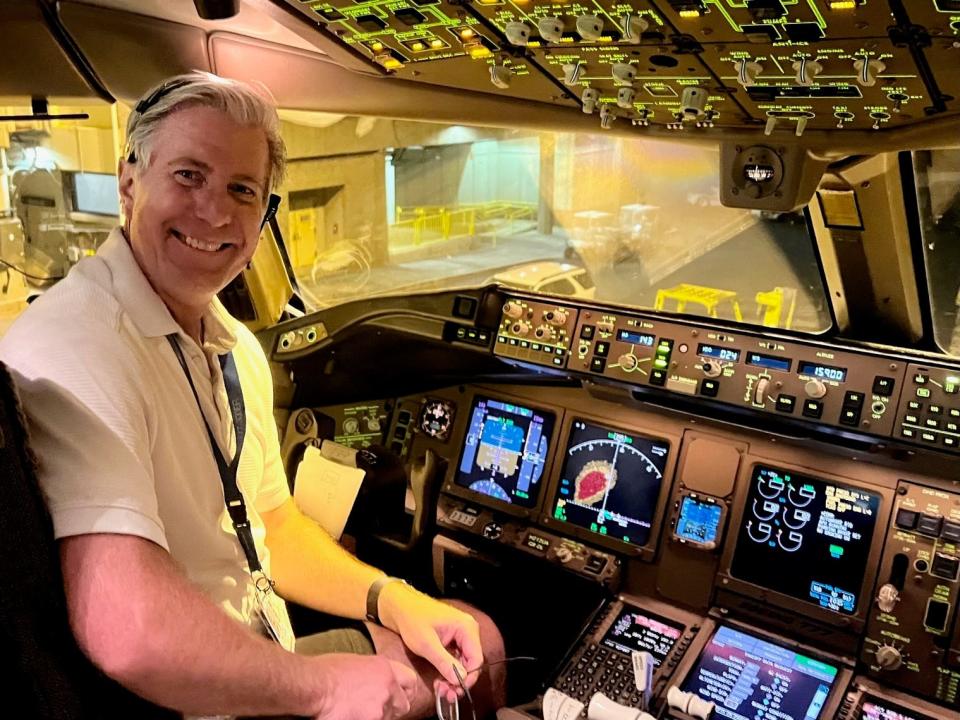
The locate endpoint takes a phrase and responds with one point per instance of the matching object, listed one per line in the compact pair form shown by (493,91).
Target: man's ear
(125,180)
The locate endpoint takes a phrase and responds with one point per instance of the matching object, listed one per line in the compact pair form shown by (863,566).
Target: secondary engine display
(881,710)
(741,673)
(610,482)
(505,451)
(806,538)
(637,630)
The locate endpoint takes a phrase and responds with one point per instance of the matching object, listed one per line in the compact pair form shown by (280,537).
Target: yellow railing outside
(436,222)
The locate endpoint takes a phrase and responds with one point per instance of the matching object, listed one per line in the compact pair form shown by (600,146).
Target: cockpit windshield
(385,207)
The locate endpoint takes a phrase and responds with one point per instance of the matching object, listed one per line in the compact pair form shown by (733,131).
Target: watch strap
(373,596)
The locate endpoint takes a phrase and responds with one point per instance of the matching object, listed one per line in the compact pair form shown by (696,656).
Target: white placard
(325,490)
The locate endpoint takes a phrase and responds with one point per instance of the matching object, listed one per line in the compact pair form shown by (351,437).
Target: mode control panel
(536,332)
(908,642)
(464,517)
(930,410)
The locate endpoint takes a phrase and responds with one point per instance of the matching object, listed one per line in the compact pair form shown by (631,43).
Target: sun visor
(111,39)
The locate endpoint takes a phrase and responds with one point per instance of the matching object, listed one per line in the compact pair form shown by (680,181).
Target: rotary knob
(888,597)
(513,309)
(555,317)
(760,393)
(711,369)
(544,332)
(628,363)
(888,657)
(564,554)
(815,389)
(520,328)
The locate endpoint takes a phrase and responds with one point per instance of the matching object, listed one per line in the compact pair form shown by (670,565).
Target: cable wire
(38,278)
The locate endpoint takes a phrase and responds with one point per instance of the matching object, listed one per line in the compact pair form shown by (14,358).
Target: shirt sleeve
(87,419)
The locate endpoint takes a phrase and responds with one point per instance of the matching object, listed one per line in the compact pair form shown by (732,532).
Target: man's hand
(364,687)
(441,634)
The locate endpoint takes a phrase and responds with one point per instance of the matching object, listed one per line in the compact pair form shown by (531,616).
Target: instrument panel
(772,65)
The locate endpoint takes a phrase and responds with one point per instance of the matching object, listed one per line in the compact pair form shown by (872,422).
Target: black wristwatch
(373,596)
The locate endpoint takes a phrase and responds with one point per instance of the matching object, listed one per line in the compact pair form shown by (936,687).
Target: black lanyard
(228,471)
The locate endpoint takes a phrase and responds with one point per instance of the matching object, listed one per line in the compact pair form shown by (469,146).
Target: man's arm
(312,569)
(145,625)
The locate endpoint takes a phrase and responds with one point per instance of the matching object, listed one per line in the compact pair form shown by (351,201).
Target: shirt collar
(147,310)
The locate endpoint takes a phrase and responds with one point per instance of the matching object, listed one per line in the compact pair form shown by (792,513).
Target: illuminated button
(951,384)
(951,426)
(949,441)
(586,332)
(908,432)
(602,348)
(370,23)
(930,525)
(920,379)
(912,419)
(513,341)
(951,531)
(598,364)
(559,351)
(658,377)
(812,408)
(786,403)
(548,350)
(501,338)
(534,346)
(928,437)
(849,416)
(954,412)
(710,388)
(558,361)
(923,392)
(914,405)
(524,344)
(932,423)
(883,386)
(330,15)
(437,43)
(935,410)
(853,399)
(945,566)
(906,519)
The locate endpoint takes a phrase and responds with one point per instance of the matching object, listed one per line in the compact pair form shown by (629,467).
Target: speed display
(610,482)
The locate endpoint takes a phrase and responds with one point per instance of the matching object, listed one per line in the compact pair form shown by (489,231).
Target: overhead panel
(774,66)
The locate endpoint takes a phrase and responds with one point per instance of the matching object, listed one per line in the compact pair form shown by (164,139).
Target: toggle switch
(550,29)
(633,27)
(867,70)
(518,33)
(589,99)
(607,117)
(572,72)
(623,73)
(589,27)
(693,101)
(807,71)
(747,71)
(500,76)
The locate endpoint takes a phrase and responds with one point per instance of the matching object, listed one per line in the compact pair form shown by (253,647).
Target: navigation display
(505,451)
(806,538)
(610,482)
(749,678)
(640,631)
(879,710)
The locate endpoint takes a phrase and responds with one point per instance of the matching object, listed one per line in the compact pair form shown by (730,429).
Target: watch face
(436,419)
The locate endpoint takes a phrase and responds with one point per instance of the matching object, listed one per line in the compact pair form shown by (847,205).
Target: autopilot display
(748,677)
(806,538)
(610,482)
(883,710)
(505,451)
(640,631)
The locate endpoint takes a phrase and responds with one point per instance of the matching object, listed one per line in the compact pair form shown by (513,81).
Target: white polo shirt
(121,442)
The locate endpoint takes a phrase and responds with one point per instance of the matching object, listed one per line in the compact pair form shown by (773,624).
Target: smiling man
(151,411)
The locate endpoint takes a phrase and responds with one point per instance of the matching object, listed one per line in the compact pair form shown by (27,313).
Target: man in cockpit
(150,409)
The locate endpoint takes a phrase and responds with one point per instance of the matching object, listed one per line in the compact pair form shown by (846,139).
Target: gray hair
(243,103)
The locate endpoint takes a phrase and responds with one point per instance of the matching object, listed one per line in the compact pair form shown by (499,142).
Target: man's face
(194,214)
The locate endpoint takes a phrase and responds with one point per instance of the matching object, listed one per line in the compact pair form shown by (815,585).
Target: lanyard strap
(228,471)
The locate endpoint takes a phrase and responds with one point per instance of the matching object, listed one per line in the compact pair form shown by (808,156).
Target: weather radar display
(610,482)
(505,451)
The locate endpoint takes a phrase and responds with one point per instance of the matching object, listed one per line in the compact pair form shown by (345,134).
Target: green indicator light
(594,527)
(660,363)
(836,551)
(603,530)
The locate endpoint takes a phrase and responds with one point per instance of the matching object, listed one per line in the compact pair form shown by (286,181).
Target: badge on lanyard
(273,614)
